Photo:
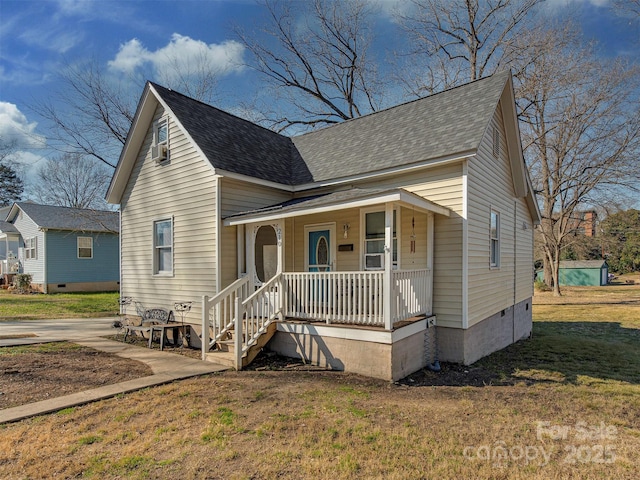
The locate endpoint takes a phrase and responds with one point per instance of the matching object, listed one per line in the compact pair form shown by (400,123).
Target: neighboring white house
(348,246)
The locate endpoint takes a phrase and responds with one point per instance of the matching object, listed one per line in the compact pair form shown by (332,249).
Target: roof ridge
(21,204)
(392,107)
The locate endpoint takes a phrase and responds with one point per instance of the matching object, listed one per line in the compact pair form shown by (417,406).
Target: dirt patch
(39,372)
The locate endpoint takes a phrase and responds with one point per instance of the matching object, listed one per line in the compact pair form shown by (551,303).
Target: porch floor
(396,325)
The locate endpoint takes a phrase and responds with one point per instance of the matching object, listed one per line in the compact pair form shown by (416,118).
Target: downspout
(44,261)
(515,271)
(120,251)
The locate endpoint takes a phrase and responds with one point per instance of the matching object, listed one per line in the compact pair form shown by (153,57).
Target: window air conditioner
(374,261)
(158,153)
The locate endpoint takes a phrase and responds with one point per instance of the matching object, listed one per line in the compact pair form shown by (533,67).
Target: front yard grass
(568,407)
(57,305)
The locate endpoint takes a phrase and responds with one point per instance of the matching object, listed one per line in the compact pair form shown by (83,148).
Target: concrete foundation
(485,337)
(378,354)
(78,287)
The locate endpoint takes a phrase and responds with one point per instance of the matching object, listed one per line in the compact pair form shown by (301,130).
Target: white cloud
(555,4)
(56,38)
(130,56)
(17,130)
(180,56)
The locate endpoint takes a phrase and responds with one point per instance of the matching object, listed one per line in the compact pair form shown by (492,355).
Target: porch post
(388,267)
(250,265)
(430,237)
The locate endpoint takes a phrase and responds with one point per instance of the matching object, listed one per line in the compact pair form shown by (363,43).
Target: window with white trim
(163,247)
(374,240)
(85,247)
(494,239)
(160,146)
(160,132)
(30,248)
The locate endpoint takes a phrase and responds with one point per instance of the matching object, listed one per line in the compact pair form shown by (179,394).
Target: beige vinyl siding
(524,252)
(442,185)
(237,196)
(156,192)
(418,259)
(490,186)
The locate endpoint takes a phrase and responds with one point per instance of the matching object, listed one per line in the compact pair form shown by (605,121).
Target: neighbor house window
(495,238)
(163,246)
(85,247)
(374,241)
(30,250)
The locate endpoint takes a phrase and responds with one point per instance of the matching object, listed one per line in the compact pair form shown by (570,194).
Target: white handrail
(254,315)
(412,293)
(221,319)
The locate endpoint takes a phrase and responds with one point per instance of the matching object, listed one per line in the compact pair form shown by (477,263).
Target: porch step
(225,352)
(227,359)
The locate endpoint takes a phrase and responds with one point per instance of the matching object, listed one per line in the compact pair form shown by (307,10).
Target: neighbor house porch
(353,265)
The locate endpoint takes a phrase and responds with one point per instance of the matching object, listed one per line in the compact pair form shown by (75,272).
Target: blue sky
(38,37)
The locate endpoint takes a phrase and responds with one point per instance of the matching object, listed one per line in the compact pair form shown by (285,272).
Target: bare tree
(317,61)
(92,112)
(459,40)
(631,7)
(90,115)
(73,181)
(580,123)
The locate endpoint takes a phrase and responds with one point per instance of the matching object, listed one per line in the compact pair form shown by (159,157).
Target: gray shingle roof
(237,145)
(444,124)
(448,123)
(74,219)
(6,227)
(324,199)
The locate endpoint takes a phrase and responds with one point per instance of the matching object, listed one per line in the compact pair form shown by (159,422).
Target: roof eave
(135,137)
(402,197)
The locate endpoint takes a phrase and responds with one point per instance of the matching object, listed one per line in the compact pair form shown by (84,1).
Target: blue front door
(319,251)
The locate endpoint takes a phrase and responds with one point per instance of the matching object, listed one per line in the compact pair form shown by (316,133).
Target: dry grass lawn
(564,404)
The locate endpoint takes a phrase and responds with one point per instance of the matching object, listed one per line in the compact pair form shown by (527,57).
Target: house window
(160,134)
(496,142)
(85,247)
(30,250)
(163,247)
(374,241)
(159,149)
(495,239)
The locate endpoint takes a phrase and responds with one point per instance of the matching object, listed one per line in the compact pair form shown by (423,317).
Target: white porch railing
(255,314)
(352,298)
(218,312)
(411,296)
(335,297)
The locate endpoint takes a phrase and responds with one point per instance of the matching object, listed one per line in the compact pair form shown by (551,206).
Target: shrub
(22,282)
(540,286)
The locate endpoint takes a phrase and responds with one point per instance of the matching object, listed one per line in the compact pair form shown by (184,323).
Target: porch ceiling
(345,199)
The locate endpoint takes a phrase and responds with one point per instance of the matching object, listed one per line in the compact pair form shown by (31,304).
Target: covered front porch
(356,259)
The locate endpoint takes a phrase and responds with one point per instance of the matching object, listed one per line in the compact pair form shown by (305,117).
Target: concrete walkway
(166,367)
